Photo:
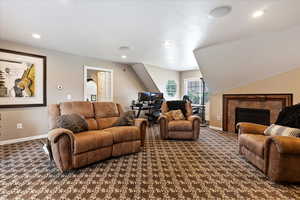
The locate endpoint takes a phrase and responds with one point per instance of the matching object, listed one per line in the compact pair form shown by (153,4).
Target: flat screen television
(156,96)
(144,96)
(150,96)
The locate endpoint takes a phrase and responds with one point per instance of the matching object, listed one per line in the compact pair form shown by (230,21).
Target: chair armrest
(245,127)
(282,158)
(193,118)
(142,125)
(196,125)
(163,117)
(285,144)
(163,125)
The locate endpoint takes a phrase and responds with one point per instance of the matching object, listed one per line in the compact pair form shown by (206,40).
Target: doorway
(98,84)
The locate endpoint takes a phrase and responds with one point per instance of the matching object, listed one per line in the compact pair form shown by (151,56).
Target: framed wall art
(22,79)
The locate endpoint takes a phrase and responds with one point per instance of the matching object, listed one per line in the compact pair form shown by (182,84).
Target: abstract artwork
(22,79)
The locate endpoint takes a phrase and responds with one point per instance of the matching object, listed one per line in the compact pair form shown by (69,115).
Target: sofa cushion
(177,115)
(106,109)
(180,125)
(125,119)
(277,130)
(169,115)
(92,123)
(91,140)
(254,143)
(124,133)
(106,122)
(79,107)
(73,122)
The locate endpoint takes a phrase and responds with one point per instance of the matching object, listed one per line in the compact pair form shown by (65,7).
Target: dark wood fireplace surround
(273,102)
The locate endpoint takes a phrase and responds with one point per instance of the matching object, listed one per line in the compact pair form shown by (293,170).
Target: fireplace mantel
(274,102)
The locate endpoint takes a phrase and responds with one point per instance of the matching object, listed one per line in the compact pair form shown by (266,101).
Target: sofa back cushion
(53,114)
(107,113)
(277,130)
(185,107)
(106,122)
(82,108)
(98,115)
(106,109)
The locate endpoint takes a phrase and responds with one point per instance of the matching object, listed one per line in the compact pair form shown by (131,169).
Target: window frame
(185,91)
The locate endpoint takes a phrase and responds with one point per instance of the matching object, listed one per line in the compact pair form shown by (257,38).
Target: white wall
(161,76)
(66,70)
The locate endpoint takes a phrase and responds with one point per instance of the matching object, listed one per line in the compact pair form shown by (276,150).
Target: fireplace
(253,115)
(274,103)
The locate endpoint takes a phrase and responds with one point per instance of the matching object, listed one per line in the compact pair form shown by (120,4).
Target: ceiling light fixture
(221,11)
(124,56)
(258,13)
(36,36)
(168,43)
(124,48)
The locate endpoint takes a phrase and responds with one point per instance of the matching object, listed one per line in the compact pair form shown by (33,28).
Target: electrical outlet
(19,125)
(69,97)
(219,117)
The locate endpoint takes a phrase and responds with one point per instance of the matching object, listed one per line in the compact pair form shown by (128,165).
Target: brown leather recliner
(277,156)
(100,142)
(179,129)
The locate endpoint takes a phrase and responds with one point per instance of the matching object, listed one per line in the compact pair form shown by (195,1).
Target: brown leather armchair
(179,129)
(277,156)
(101,141)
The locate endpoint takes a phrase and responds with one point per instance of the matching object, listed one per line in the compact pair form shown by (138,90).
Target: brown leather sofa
(100,142)
(179,129)
(277,156)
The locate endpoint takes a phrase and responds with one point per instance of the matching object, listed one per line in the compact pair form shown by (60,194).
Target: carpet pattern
(209,168)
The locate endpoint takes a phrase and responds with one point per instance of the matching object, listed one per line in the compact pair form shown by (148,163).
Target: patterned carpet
(209,168)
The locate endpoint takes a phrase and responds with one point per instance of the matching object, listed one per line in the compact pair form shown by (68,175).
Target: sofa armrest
(142,125)
(163,125)
(245,127)
(54,134)
(62,146)
(282,158)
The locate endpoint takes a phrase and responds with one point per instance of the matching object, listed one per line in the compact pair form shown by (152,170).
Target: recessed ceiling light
(220,11)
(258,13)
(36,36)
(124,56)
(124,48)
(168,43)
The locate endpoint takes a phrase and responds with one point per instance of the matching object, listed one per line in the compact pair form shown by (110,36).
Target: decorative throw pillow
(169,115)
(126,119)
(73,122)
(277,130)
(177,115)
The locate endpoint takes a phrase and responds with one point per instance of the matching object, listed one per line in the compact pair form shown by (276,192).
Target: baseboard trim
(12,141)
(216,128)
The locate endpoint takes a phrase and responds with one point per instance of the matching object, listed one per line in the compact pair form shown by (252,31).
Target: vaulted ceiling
(237,63)
(158,32)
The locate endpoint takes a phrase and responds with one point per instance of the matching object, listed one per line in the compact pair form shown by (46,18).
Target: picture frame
(93,97)
(23,79)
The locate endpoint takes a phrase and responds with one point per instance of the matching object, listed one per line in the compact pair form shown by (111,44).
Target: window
(193,89)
